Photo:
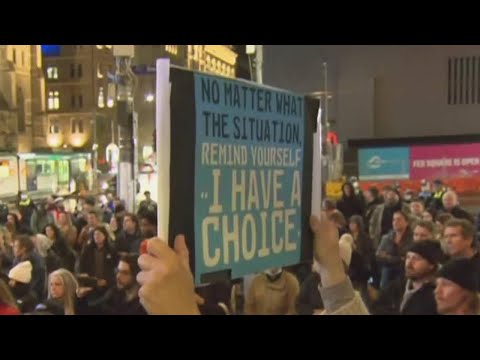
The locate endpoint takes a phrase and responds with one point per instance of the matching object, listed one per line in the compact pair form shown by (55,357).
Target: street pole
(95,150)
(247,279)
(325,79)
(259,63)
(125,80)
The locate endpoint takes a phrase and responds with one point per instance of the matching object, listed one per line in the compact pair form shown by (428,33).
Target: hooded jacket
(277,297)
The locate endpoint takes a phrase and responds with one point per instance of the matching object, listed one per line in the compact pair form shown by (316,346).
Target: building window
(52,72)
(101,98)
(463,74)
(80,101)
(172,49)
(72,70)
(54,127)
(79,71)
(77,126)
(53,100)
(23,58)
(73,101)
(14,56)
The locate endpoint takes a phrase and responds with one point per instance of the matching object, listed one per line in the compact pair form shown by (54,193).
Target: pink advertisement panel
(444,161)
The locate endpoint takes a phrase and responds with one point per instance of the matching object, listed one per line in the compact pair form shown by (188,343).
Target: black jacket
(359,270)
(476,260)
(129,242)
(371,206)
(66,254)
(460,213)
(309,298)
(350,206)
(422,302)
(113,302)
(87,261)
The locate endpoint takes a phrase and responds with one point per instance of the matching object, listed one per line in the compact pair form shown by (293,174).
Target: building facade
(215,59)
(80,104)
(22,94)
(385,91)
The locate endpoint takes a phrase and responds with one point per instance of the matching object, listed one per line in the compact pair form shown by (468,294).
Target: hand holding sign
(327,250)
(166,279)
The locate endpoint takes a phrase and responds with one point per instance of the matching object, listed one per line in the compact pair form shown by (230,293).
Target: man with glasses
(121,299)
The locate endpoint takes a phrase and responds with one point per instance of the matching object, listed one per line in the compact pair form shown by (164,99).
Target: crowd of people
(379,252)
(396,255)
(85,261)
(432,269)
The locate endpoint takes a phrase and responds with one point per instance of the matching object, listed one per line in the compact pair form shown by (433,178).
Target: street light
(149,98)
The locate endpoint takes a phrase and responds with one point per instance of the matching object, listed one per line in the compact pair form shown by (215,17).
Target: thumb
(181,249)
(314,223)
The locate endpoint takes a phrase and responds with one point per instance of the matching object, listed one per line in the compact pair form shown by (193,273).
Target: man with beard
(121,299)
(391,252)
(414,294)
(382,217)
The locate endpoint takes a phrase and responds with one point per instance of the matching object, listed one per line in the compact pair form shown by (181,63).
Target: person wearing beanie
(22,272)
(457,288)
(20,279)
(414,293)
(24,250)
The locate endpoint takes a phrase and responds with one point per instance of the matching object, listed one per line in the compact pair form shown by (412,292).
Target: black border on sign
(182,147)
(182,174)
(311,110)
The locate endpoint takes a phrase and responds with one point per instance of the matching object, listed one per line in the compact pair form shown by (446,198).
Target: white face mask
(273,271)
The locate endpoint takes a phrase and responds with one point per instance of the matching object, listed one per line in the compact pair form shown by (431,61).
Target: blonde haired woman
(62,289)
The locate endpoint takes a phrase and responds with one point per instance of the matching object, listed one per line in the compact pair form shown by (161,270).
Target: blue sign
(384,163)
(248,176)
(51,50)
